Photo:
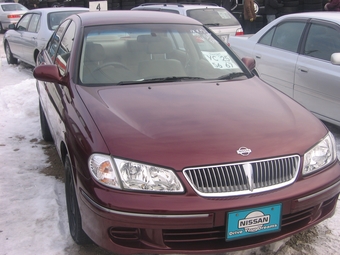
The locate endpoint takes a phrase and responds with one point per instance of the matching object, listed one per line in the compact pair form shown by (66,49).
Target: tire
(1,29)
(53,4)
(9,56)
(74,217)
(45,129)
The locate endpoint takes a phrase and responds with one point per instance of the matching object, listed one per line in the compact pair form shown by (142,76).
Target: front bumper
(200,228)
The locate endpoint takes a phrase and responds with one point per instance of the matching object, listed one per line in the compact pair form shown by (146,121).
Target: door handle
(258,56)
(302,69)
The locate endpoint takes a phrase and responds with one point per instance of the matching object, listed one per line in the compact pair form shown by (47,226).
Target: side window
(55,39)
(65,48)
(34,24)
(23,23)
(287,35)
(322,41)
(267,38)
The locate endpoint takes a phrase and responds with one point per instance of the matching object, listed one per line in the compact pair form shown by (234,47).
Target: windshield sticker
(223,14)
(220,60)
(201,33)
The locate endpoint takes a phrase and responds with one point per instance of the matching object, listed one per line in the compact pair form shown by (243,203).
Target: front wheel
(74,217)
(10,59)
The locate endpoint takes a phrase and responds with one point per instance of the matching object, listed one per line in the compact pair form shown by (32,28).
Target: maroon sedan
(171,145)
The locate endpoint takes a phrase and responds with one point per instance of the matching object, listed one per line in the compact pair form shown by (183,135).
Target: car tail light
(13,16)
(239,31)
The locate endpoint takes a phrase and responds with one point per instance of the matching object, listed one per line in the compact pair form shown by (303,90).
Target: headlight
(101,168)
(129,175)
(320,155)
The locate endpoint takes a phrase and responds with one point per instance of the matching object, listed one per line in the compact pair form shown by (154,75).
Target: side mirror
(335,58)
(49,73)
(249,62)
(11,26)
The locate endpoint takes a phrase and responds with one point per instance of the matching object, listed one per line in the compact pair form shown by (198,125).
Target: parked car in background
(299,54)
(10,13)
(171,145)
(33,4)
(25,39)
(217,18)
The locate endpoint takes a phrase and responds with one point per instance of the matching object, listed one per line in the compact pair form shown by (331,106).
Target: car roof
(133,17)
(59,9)
(181,6)
(331,16)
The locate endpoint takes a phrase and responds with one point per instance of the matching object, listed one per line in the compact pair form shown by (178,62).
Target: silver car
(299,54)
(25,39)
(10,13)
(217,18)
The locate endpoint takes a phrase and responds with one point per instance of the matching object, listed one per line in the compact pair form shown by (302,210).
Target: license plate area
(224,38)
(253,221)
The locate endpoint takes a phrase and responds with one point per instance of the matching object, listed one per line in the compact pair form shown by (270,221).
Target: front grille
(243,177)
(199,239)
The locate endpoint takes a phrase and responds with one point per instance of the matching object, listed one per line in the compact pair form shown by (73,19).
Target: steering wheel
(115,64)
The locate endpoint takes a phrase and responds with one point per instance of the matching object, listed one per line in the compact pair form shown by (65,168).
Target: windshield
(213,17)
(129,54)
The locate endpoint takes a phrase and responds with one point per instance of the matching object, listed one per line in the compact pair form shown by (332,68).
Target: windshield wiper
(231,76)
(163,79)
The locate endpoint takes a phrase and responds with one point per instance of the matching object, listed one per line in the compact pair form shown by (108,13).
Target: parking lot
(33,212)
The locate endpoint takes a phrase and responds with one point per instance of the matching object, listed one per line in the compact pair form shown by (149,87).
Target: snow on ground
(33,217)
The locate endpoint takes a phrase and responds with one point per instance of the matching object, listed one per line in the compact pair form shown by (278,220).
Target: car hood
(178,125)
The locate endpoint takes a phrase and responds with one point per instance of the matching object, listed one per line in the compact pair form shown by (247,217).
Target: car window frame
(36,26)
(170,11)
(51,43)
(317,22)
(274,29)
(64,54)
(18,25)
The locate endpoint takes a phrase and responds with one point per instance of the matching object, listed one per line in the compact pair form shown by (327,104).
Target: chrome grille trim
(243,178)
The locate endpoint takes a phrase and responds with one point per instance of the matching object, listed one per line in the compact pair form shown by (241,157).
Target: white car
(10,13)
(299,54)
(217,18)
(25,39)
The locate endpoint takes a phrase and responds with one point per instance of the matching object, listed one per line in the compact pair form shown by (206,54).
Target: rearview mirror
(11,26)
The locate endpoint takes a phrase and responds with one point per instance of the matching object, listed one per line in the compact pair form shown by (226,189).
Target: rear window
(213,16)
(13,7)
